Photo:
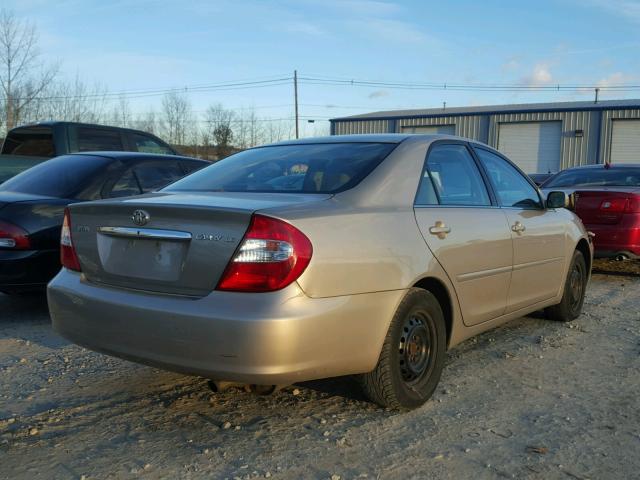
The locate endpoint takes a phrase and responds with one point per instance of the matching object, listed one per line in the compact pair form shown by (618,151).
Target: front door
(468,235)
(538,234)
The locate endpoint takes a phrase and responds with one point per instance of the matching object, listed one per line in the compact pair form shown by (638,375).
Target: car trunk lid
(174,243)
(605,207)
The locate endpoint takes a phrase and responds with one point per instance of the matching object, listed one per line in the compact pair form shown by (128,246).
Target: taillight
(13,237)
(272,255)
(68,256)
(633,204)
(621,205)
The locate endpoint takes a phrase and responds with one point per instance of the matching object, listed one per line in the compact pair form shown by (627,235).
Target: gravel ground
(533,399)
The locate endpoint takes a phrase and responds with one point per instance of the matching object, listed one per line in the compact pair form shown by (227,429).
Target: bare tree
(23,77)
(177,117)
(219,128)
(72,101)
(147,121)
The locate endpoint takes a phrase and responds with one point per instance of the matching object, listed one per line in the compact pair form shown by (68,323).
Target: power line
(323,80)
(158,92)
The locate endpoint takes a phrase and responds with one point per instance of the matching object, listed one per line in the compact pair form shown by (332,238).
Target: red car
(608,202)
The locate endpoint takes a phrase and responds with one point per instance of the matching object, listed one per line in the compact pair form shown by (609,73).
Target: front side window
(300,168)
(511,187)
(149,145)
(95,139)
(451,177)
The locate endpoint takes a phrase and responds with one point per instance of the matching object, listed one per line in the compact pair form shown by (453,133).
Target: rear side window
(147,144)
(126,186)
(451,177)
(61,177)
(157,174)
(190,166)
(301,168)
(512,187)
(96,139)
(36,142)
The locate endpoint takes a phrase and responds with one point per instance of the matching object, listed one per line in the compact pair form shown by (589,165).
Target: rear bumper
(270,338)
(611,240)
(27,269)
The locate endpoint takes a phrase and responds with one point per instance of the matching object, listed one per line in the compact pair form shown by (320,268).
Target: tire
(412,355)
(575,286)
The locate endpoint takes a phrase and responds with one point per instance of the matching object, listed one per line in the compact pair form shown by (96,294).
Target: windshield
(596,177)
(61,177)
(303,168)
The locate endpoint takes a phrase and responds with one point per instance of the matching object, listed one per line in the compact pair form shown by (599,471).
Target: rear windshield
(11,166)
(34,141)
(310,168)
(596,177)
(61,177)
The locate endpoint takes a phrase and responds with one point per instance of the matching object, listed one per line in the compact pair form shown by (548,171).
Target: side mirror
(558,200)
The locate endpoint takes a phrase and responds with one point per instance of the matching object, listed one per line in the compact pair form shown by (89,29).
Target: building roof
(496,109)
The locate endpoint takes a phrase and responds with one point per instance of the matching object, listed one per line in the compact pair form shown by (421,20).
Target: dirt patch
(533,399)
(629,268)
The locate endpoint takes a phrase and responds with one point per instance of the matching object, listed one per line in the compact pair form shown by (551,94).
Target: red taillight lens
(613,205)
(68,256)
(633,204)
(272,255)
(13,237)
(629,204)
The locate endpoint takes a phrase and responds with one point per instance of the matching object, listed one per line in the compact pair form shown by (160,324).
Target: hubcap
(414,348)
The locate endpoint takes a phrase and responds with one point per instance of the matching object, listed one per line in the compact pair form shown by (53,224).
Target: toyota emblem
(140,217)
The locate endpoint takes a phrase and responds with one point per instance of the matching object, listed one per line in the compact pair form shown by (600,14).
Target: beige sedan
(368,255)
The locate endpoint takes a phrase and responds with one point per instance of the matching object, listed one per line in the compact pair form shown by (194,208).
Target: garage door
(431,129)
(534,147)
(625,141)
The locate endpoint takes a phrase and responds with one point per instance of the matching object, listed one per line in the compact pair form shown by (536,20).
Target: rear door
(538,234)
(467,234)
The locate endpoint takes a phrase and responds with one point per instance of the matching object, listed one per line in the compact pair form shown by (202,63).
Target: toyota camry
(368,255)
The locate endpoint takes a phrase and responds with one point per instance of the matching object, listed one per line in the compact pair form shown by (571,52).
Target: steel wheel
(415,349)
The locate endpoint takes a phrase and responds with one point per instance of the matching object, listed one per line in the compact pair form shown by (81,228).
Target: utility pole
(295,97)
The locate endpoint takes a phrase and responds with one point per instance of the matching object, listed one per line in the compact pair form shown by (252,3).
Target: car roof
(596,166)
(52,123)
(369,137)
(129,156)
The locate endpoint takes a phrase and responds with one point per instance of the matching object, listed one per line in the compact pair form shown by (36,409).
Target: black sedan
(32,205)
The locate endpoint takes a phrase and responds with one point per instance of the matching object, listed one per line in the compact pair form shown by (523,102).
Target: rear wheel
(412,356)
(575,286)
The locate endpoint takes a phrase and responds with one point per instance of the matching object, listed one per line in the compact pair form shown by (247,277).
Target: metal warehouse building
(540,138)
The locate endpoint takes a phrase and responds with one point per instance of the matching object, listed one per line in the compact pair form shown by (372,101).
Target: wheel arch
(583,247)
(440,291)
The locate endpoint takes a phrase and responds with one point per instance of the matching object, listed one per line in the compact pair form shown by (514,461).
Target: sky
(145,44)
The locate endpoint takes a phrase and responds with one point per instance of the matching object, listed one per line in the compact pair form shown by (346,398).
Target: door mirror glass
(557,200)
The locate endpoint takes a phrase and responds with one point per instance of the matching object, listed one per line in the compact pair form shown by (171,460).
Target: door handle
(439,229)
(518,227)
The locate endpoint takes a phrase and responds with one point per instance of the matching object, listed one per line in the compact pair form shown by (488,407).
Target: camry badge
(140,217)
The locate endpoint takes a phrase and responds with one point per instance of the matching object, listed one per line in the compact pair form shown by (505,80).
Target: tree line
(32,90)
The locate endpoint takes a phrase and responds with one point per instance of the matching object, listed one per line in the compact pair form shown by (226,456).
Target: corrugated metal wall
(471,126)
(363,126)
(607,123)
(594,146)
